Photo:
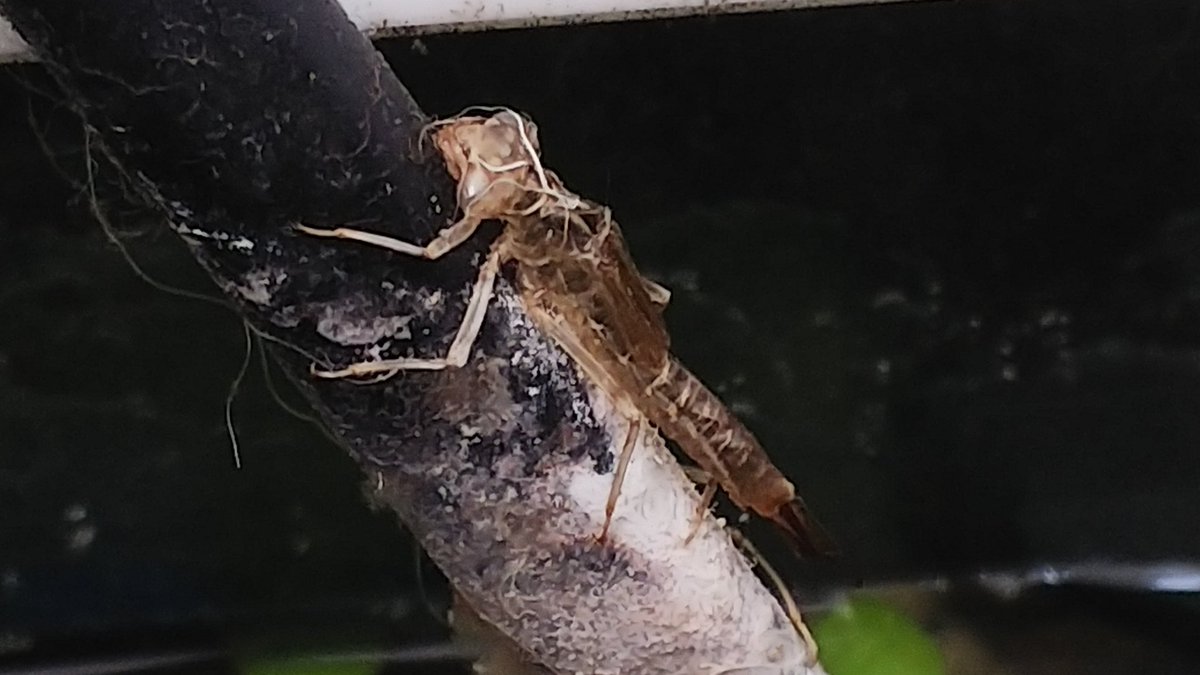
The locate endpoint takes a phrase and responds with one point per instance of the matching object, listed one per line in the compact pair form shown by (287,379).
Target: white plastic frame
(405,17)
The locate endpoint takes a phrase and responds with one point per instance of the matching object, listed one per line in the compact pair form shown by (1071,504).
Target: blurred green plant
(864,636)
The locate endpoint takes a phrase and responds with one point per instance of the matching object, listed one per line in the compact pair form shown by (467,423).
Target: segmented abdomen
(707,431)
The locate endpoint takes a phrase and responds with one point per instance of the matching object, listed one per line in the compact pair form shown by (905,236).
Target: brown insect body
(690,414)
(579,283)
(588,297)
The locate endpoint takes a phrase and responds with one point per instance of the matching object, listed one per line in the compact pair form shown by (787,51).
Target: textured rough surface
(236,123)
(529,562)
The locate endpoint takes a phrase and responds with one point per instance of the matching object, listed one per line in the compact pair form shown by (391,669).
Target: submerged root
(234,387)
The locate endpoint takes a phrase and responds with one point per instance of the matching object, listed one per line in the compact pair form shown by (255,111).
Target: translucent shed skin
(574,272)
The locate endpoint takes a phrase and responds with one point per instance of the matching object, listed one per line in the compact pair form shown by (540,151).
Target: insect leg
(460,347)
(706,499)
(631,436)
(785,595)
(447,239)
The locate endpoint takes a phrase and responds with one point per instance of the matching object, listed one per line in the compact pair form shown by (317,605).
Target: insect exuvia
(579,284)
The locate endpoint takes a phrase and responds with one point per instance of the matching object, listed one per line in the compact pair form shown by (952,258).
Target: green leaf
(866,637)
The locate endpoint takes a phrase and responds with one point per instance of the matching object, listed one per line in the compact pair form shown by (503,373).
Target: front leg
(447,240)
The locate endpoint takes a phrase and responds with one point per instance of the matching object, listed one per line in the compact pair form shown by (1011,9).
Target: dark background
(944,258)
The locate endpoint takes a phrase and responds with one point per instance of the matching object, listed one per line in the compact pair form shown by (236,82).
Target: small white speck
(12,642)
(883,369)
(193,232)
(823,318)
(75,513)
(10,580)
(301,544)
(80,537)
(888,297)
(242,244)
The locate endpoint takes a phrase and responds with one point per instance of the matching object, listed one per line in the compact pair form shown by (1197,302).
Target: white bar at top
(12,47)
(393,17)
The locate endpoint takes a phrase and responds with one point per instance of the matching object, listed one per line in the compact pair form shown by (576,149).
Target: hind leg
(631,435)
(706,500)
(785,594)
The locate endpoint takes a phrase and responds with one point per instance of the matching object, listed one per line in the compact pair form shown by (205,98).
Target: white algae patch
(352,327)
(709,596)
(259,285)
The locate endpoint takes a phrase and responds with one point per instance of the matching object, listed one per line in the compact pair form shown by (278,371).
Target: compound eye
(473,183)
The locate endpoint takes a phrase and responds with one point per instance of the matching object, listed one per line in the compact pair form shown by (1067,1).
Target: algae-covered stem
(235,119)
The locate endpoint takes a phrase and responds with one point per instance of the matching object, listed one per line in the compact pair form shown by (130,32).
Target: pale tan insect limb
(699,476)
(663,377)
(785,594)
(614,491)
(447,240)
(706,500)
(460,347)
